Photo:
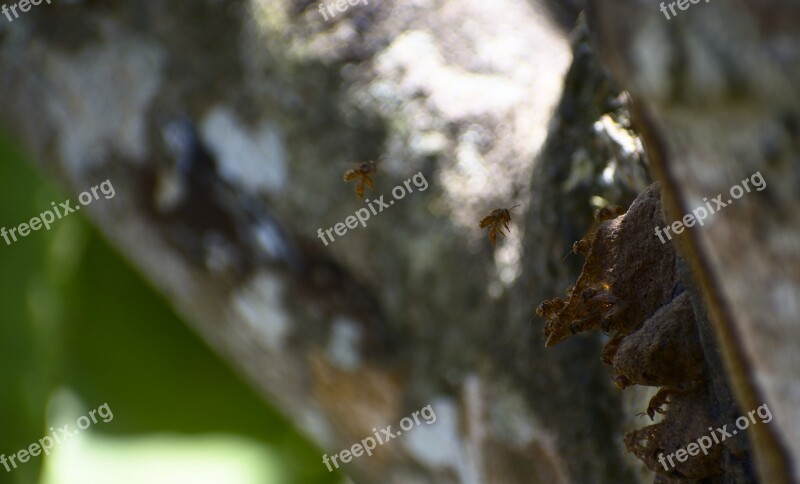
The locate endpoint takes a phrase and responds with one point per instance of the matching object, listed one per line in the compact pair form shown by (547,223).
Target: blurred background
(81,328)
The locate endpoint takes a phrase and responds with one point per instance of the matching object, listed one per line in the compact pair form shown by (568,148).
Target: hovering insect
(609,212)
(581,247)
(496,221)
(362,175)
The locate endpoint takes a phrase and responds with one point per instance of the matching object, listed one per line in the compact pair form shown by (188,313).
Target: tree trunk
(226,127)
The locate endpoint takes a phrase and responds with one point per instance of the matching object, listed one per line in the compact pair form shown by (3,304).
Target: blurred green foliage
(76,315)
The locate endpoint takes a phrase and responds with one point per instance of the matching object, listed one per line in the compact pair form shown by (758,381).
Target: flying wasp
(362,175)
(496,221)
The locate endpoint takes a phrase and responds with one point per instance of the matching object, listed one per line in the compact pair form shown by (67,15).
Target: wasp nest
(630,288)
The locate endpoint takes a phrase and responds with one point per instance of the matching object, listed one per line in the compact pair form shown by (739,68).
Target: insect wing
(486,221)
